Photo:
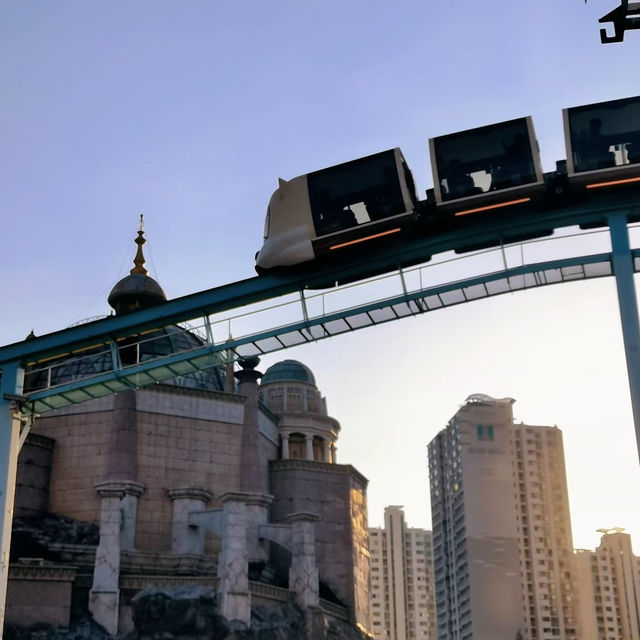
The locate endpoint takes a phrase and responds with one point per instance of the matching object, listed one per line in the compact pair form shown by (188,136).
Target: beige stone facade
(183,437)
(337,494)
(39,593)
(175,478)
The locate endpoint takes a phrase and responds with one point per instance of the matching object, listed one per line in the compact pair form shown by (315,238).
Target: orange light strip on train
(492,206)
(611,183)
(375,235)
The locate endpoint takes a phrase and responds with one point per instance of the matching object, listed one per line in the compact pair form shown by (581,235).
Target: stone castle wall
(178,438)
(80,455)
(336,493)
(34,476)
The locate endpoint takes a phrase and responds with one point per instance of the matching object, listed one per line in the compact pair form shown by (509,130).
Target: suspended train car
(486,168)
(603,143)
(338,210)
(491,173)
(487,173)
(603,150)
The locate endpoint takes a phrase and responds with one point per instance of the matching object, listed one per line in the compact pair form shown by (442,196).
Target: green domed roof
(289,370)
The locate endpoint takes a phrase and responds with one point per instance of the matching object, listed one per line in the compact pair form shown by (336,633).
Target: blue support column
(623,272)
(10,385)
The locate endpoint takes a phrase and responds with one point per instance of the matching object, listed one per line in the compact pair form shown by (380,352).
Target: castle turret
(289,390)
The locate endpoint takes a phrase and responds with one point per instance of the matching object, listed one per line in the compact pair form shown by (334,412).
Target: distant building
(402,604)
(608,589)
(501,527)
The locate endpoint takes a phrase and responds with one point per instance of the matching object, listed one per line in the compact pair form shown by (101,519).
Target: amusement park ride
(343,226)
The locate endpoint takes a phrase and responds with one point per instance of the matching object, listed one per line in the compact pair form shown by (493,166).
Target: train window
(355,193)
(489,158)
(604,135)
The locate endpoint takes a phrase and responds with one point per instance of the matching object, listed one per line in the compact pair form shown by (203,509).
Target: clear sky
(189,111)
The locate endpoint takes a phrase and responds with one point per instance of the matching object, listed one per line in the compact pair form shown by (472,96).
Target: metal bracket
(303,302)
(405,291)
(626,17)
(21,412)
(116,363)
(208,330)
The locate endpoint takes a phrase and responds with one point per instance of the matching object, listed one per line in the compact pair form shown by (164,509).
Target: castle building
(199,480)
(608,589)
(402,603)
(501,527)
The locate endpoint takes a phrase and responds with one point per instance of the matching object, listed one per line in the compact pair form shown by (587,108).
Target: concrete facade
(402,597)
(608,589)
(546,544)
(501,527)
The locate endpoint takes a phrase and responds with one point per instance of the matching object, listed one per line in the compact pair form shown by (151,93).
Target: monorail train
(490,172)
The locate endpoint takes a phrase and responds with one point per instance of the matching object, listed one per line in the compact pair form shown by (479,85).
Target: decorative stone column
(129,510)
(326,450)
(303,574)
(233,562)
(334,454)
(104,594)
(187,538)
(254,483)
(284,437)
(122,465)
(254,472)
(309,442)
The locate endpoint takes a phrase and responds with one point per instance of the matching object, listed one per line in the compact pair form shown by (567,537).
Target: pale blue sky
(189,111)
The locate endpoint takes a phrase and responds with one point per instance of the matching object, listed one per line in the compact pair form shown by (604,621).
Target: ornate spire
(138,290)
(138,261)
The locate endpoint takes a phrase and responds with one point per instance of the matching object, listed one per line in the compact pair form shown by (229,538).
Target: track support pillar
(623,271)
(10,425)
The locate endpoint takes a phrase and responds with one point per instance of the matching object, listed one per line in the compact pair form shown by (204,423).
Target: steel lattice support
(623,271)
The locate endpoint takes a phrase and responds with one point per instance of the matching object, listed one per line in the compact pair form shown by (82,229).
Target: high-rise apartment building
(608,589)
(546,543)
(501,527)
(402,603)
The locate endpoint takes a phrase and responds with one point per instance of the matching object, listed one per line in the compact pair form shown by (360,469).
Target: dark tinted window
(354,193)
(605,135)
(485,159)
